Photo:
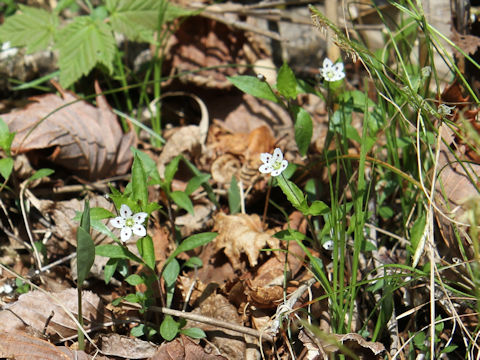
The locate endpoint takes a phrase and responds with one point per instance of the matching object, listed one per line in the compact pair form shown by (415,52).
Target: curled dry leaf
(183,348)
(326,345)
(242,234)
(77,135)
(21,346)
(228,342)
(32,310)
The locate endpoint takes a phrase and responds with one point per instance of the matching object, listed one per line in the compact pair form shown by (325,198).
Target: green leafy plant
(135,198)
(87,41)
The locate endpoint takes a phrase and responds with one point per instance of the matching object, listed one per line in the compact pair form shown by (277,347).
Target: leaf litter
(246,272)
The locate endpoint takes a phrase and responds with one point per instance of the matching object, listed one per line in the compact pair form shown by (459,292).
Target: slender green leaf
(170,171)
(303,129)
(171,272)
(286,82)
(195,182)
(82,44)
(149,165)
(85,247)
(116,252)
(193,242)
(194,333)
(147,251)
(182,200)
(193,262)
(6,167)
(40,174)
(109,269)
(139,181)
(234,200)
(6,137)
(30,27)
(169,328)
(253,86)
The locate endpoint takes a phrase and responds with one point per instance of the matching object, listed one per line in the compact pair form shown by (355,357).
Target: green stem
(81,338)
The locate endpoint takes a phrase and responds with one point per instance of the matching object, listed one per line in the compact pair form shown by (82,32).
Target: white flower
(274,164)
(426,71)
(332,72)
(129,224)
(446,110)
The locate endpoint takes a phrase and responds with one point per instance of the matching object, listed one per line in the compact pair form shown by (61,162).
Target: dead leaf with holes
(72,133)
(242,234)
(32,310)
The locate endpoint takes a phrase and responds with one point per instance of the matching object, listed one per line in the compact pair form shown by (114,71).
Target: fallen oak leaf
(77,135)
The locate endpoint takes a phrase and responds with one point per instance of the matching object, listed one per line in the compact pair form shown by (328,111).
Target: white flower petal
(140,217)
(283,166)
(327,64)
(338,67)
(265,168)
(266,158)
(328,245)
(126,233)
(118,222)
(277,155)
(139,230)
(125,211)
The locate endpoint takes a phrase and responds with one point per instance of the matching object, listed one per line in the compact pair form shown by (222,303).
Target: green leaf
(138,330)
(147,251)
(6,167)
(30,27)
(149,165)
(253,86)
(169,328)
(193,242)
(170,171)
(109,269)
(318,208)
(286,82)
(417,239)
(182,200)
(194,333)
(139,181)
(234,200)
(195,182)
(85,247)
(303,129)
(134,280)
(40,174)
(294,194)
(6,137)
(171,272)
(116,252)
(83,44)
(193,262)
(136,19)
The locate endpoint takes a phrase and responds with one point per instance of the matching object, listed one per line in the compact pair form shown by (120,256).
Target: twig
(209,321)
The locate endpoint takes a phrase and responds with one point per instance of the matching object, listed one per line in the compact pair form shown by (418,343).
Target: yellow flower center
(129,222)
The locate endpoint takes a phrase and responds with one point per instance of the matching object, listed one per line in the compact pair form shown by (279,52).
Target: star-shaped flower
(273,164)
(129,224)
(331,71)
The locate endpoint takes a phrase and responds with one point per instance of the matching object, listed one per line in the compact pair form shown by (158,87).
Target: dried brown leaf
(32,310)
(242,234)
(77,135)
(126,347)
(183,349)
